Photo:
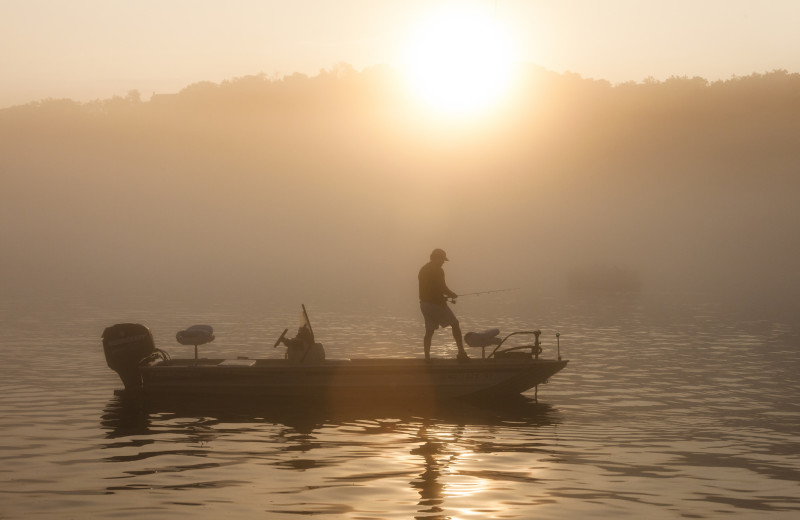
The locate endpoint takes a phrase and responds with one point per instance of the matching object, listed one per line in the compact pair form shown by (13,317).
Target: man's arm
(446,290)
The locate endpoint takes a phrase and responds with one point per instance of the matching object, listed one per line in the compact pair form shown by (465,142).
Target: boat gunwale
(380,364)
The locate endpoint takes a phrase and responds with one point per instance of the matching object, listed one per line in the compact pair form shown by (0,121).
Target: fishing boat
(305,372)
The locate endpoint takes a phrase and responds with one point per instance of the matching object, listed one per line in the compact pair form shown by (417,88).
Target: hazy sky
(89,49)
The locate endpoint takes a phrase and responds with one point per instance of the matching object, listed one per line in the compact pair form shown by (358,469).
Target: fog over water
(337,187)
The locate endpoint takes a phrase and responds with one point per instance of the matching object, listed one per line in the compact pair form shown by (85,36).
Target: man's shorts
(437,315)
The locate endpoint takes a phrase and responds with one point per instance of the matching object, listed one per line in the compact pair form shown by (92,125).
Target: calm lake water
(665,411)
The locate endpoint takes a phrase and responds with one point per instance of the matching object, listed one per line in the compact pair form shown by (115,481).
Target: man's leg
(426,342)
(457,337)
(462,354)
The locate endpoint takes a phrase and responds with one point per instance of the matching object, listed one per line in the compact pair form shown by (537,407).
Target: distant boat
(304,372)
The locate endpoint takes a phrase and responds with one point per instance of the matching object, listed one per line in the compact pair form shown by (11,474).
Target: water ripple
(679,413)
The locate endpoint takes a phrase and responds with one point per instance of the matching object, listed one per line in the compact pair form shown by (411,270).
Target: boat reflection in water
(428,448)
(125,415)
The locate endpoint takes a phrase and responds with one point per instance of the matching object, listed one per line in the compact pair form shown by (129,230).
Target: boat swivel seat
(196,335)
(483,339)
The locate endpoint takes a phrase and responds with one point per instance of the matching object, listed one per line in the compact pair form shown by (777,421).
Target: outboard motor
(125,345)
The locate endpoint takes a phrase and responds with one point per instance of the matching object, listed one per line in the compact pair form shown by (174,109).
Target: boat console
(302,348)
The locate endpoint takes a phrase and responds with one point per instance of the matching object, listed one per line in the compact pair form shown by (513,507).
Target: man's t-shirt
(432,288)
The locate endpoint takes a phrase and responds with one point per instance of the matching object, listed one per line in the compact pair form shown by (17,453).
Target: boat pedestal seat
(483,339)
(196,335)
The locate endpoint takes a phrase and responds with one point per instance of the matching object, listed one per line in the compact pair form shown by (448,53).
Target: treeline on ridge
(685,181)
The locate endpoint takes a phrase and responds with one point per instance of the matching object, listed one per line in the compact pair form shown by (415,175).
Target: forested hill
(342,183)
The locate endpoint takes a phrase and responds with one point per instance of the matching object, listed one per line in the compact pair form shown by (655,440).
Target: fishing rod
(487,292)
(453,300)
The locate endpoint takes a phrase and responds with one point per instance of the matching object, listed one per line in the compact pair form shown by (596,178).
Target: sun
(460,61)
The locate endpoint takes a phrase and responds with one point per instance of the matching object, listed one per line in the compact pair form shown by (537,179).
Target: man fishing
(433,295)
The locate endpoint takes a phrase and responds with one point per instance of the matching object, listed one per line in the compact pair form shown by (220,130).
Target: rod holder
(558,345)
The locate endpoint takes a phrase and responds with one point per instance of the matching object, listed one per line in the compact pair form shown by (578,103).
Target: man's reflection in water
(429,484)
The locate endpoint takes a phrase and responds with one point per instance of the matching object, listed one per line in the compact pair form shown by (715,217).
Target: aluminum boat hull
(365,378)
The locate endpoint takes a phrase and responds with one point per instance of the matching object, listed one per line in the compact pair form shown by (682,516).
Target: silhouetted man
(433,294)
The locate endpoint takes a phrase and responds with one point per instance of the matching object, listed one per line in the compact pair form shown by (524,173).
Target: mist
(338,186)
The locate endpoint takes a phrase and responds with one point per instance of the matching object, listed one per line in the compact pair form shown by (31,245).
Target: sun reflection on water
(442,450)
